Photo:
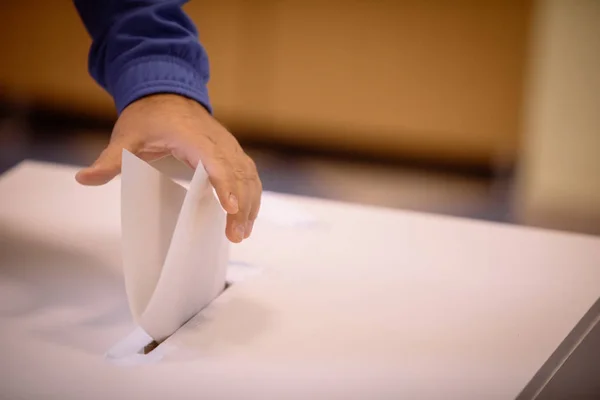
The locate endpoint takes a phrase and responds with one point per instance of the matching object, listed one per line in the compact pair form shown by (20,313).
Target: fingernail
(240,230)
(234,201)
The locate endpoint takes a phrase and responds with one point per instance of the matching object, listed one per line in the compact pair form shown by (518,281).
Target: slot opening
(150,347)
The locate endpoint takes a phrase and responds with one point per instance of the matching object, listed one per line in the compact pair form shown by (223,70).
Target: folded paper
(175,251)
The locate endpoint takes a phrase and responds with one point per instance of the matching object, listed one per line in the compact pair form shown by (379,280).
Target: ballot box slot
(149,347)
(153,345)
(140,348)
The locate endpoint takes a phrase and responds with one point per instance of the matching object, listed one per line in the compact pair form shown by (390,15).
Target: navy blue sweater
(143,47)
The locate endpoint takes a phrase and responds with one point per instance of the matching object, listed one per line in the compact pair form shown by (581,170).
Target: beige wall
(560,174)
(423,79)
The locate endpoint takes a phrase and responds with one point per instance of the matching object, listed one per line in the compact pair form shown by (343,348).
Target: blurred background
(481,109)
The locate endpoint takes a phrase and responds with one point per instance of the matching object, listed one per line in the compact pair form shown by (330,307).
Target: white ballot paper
(175,251)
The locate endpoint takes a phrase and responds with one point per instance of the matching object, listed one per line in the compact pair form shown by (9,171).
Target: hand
(163,124)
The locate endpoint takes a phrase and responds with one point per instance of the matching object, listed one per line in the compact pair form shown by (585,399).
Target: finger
(249,227)
(253,191)
(256,192)
(108,163)
(229,173)
(219,170)
(230,190)
(251,218)
(233,233)
(237,223)
(104,169)
(223,180)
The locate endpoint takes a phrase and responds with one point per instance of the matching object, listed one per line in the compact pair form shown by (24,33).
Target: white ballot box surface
(327,301)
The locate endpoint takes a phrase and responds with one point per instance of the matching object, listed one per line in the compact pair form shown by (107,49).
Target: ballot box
(326,300)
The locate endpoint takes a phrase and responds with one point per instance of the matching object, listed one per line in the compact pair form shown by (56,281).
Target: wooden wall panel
(424,79)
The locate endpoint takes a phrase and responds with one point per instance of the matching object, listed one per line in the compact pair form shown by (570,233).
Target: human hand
(168,124)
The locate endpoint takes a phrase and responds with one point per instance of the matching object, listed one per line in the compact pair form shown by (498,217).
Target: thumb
(104,169)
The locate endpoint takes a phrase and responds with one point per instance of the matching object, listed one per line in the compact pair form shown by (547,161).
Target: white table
(359,303)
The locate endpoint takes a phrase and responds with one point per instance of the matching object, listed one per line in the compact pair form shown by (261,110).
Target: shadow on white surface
(65,296)
(60,294)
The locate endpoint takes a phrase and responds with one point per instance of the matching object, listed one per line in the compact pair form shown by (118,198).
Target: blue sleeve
(144,47)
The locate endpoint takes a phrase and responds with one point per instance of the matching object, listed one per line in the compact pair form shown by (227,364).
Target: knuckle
(246,171)
(240,173)
(219,157)
(241,169)
(244,176)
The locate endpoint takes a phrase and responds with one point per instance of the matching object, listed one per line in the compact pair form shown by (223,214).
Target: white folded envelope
(175,251)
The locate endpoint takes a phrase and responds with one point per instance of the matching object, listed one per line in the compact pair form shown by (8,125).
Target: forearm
(144,47)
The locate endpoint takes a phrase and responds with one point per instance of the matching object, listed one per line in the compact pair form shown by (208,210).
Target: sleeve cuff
(153,75)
